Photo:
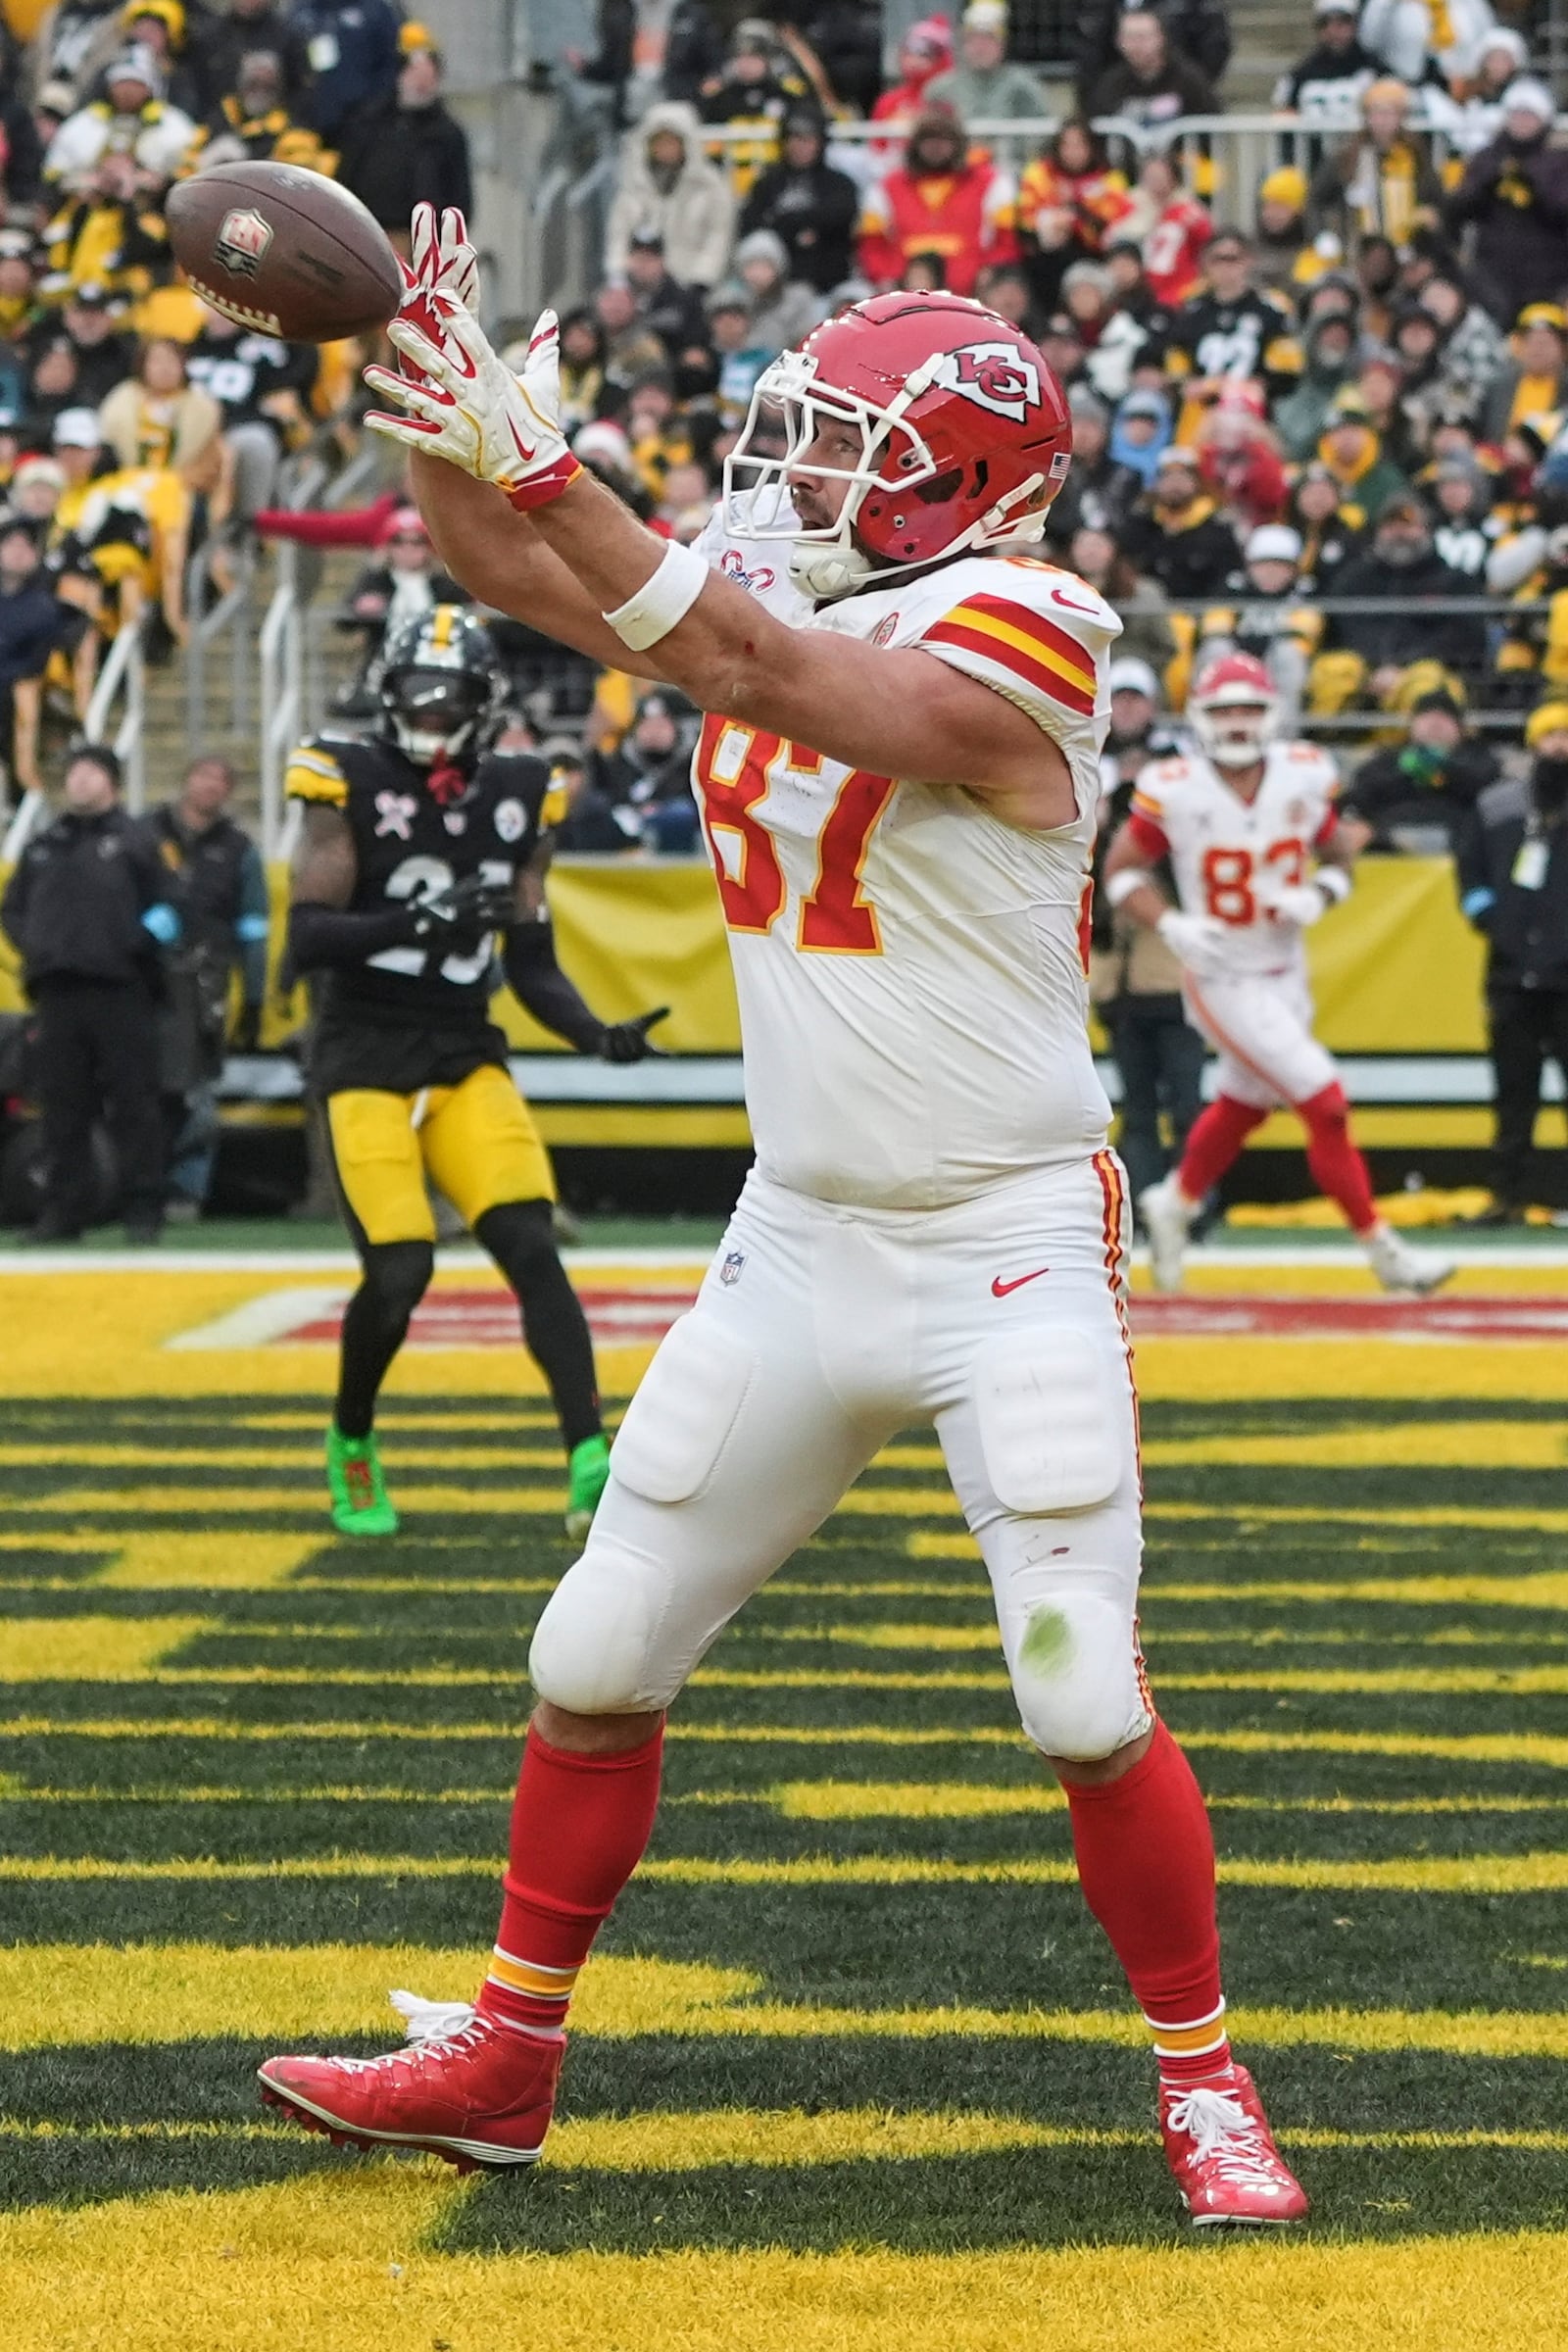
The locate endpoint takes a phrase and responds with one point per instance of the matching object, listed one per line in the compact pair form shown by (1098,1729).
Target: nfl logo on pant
(729,1273)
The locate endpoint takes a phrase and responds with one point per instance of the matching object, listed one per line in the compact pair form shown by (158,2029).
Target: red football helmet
(1234,709)
(965,439)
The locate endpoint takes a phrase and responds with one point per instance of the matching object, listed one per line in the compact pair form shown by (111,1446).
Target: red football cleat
(476,2092)
(1222,2153)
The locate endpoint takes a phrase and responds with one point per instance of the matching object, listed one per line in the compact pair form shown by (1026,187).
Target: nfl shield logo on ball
(729,1273)
(241,243)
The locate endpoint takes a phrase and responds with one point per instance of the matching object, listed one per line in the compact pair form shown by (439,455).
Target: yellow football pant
(476,1142)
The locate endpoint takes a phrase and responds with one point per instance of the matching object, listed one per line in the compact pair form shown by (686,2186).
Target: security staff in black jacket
(1513,885)
(87,910)
(217,885)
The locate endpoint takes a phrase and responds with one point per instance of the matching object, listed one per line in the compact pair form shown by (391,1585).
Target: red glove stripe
(541,488)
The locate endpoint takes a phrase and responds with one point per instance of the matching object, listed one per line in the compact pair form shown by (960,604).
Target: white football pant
(820,1331)
(1261,1028)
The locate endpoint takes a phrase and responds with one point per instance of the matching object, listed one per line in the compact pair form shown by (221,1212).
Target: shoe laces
(1223,2132)
(359,1481)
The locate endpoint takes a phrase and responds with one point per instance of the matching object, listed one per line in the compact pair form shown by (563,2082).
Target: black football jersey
(409,843)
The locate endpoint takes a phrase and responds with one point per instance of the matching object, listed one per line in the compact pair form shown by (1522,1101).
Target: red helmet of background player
(1234,709)
(965,439)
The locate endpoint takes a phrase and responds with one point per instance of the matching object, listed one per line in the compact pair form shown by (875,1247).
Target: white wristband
(1119,889)
(663,601)
(1335,884)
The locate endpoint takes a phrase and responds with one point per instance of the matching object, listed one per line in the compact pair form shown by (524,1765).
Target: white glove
(444,261)
(1300,903)
(1197,940)
(463,403)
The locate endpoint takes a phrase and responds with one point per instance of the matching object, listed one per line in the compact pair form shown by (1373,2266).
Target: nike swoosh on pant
(999,1289)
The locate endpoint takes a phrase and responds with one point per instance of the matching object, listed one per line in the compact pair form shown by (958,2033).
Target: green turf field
(853,2066)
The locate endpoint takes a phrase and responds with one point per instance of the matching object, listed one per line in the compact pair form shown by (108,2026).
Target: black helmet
(438,682)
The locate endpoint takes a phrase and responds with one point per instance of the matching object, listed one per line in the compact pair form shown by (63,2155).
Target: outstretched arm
(538,983)
(891,713)
(499,555)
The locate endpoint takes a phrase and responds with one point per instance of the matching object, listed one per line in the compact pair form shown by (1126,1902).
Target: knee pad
(518,1235)
(593,1648)
(1052,1411)
(1076,1678)
(396,1277)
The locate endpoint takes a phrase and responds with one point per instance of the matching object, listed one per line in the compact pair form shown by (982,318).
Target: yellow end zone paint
(55,1995)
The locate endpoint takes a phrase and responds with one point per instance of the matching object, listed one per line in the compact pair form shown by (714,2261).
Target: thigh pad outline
(1051,1410)
(677,1424)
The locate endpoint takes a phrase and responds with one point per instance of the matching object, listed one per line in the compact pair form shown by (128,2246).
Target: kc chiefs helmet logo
(993,376)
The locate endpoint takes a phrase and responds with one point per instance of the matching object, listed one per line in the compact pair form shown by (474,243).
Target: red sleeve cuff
(1147,836)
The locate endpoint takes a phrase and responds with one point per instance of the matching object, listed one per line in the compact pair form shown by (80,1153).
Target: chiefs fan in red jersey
(898,778)
(1260,852)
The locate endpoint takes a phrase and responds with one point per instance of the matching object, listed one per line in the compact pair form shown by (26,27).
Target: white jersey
(909,969)
(1231,856)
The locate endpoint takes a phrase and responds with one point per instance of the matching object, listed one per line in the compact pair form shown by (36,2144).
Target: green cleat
(360,1503)
(587,1475)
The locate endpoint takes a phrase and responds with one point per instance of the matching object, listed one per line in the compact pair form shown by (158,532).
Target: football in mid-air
(283,251)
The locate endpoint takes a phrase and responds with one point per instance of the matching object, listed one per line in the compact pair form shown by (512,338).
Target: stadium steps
(168,745)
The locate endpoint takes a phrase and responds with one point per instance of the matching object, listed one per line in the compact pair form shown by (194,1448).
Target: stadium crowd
(1338,439)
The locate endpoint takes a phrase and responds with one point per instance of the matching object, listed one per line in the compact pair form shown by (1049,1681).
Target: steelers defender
(420,848)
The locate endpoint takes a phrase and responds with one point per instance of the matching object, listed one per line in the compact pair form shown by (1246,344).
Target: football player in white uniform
(899,779)
(1260,852)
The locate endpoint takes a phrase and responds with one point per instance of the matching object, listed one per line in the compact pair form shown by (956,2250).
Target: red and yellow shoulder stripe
(1034,649)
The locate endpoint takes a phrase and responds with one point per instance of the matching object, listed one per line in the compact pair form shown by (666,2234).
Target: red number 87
(735,768)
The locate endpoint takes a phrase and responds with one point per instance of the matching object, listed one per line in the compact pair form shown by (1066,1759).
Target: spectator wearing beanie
(1099,490)
(1351,451)
(132,120)
(406,147)
(1466,531)
(939,200)
(1381,182)
(667,309)
(1418,795)
(1327,83)
(925,51)
(813,208)
(1475,116)
(1176,533)
(1301,417)
(1271,618)
(1283,256)
(668,184)
(1514,199)
(1393,654)
(1533,381)
(981,87)
(782,313)
(757,87)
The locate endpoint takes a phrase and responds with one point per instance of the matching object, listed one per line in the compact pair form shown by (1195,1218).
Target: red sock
(579,1825)
(1214,1143)
(1338,1168)
(1146,1863)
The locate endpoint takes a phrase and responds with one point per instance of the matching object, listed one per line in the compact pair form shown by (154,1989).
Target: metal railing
(1496,699)
(1239,150)
(217,676)
(122,682)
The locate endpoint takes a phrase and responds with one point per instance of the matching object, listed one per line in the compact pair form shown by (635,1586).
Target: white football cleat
(1398,1267)
(1167,1217)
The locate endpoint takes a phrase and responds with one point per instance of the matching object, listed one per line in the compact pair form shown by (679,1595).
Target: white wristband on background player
(663,600)
(1194,940)
(1119,889)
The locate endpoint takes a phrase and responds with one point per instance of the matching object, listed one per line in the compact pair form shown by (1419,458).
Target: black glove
(474,904)
(247,1032)
(628,1041)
